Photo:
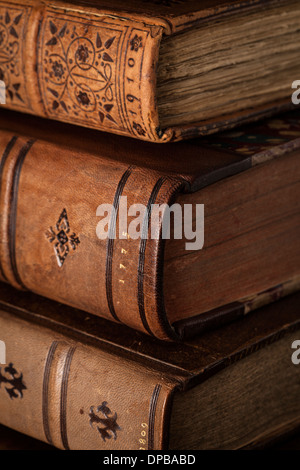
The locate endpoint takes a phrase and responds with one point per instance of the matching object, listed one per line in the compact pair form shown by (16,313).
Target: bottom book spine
(76,396)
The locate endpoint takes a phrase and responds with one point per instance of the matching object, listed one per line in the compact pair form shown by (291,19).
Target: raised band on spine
(13,210)
(143,243)
(152,412)
(3,160)
(45,404)
(63,398)
(110,242)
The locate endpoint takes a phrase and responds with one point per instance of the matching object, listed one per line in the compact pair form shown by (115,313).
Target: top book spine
(93,67)
(80,66)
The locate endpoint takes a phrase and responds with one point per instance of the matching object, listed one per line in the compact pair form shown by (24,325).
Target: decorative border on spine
(90,72)
(13,53)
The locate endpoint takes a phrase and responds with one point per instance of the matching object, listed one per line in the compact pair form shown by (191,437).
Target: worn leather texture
(90,385)
(93,64)
(49,197)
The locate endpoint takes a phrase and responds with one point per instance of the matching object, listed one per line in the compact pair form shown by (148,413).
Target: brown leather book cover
(83,383)
(94,63)
(53,180)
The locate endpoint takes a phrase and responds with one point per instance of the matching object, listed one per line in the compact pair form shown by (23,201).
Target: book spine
(50,239)
(75,396)
(81,65)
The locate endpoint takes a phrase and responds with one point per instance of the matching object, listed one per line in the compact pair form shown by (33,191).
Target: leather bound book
(150,69)
(88,384)
(53,181)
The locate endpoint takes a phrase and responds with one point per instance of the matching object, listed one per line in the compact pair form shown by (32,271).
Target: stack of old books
(159,306)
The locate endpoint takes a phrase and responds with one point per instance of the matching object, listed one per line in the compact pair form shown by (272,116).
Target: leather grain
(68,381)
(49,197)
(94,65)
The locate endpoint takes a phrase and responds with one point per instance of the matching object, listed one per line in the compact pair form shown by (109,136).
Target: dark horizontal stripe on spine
(13,210)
